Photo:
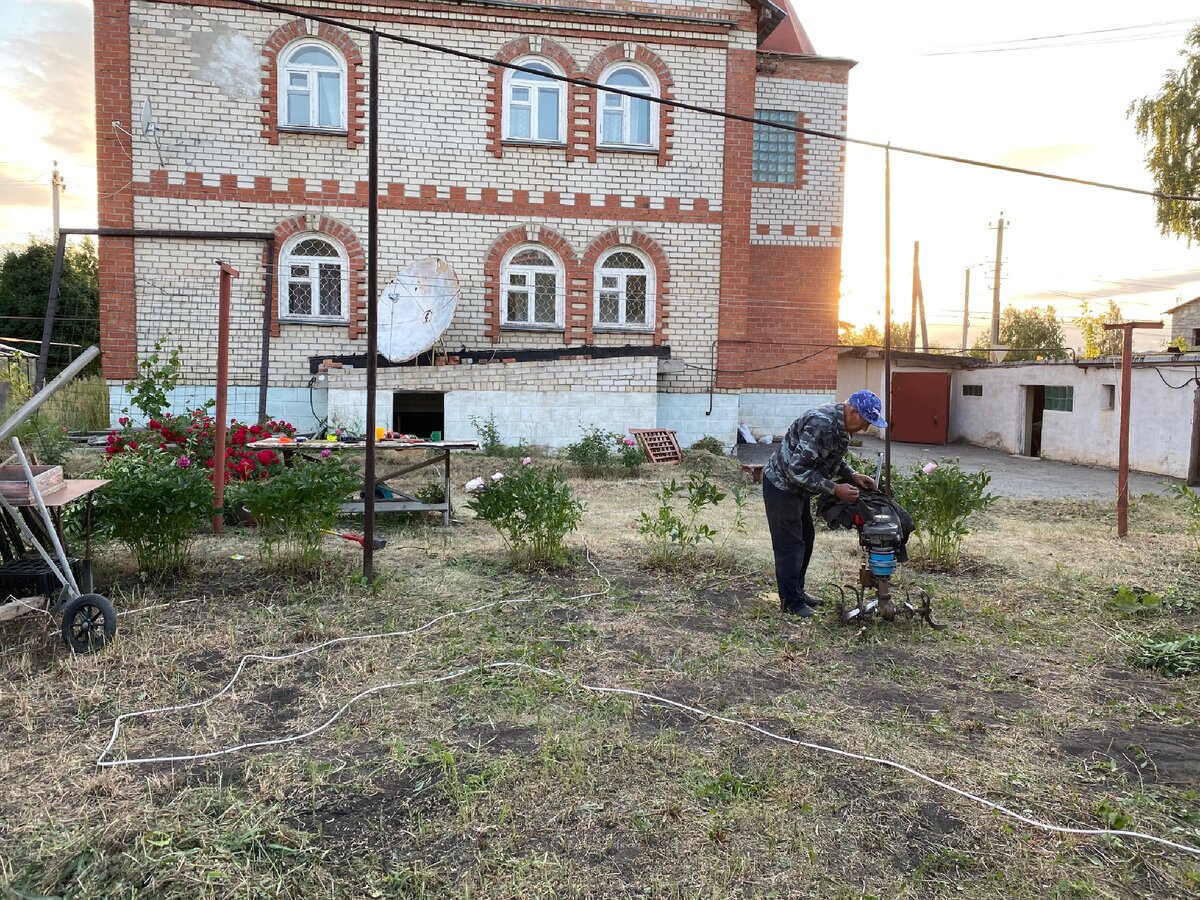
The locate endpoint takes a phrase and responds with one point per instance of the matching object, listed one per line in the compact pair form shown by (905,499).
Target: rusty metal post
(228,273)
(372,310)
(887,318)
(1126,389)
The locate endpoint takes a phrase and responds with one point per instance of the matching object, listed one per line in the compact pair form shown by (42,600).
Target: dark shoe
(812,600)
(801,609)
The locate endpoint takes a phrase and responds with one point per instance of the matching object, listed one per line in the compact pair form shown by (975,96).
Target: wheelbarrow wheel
(89,622)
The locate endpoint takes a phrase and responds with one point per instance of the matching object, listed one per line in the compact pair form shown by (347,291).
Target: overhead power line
(703,110)
(1072,34)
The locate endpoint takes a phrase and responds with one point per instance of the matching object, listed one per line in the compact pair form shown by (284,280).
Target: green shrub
(532,508)
(1175,656)
(489,439)
(153,504)
(709,444)
(674,535)
(598,452)
(940,497)
(1189,500)
(294,507)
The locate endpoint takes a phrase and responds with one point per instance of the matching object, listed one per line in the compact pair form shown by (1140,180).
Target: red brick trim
(835,71)
(732,326)
(432,198)
(524,234)
(356,107)
(629,51)
(510,52)
(580,326)
(330,228)
(114,172)
(800,177)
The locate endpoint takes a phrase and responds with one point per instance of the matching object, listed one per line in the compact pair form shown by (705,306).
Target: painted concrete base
(289,404)
(775,412)
(690,416)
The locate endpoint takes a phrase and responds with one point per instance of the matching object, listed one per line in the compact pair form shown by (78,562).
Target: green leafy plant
(940,497)
(599,452)
(531,508)
(153,504)
(295,506)
(675,535)
(490,442)
(157,375)
(1175,656)
(709,444)
(1189,501)
(1128,599)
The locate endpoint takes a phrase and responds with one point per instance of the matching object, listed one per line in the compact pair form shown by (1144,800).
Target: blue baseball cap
(869,406)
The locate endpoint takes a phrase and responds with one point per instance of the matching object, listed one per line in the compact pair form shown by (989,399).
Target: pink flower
(497,476)
(629,442)
(526,460)
(929,467)
(474,485)
(123,421)
(183,462)
(325,453)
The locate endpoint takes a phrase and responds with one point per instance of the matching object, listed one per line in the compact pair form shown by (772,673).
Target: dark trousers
(789,516)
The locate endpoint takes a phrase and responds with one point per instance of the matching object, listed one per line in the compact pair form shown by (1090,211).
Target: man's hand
(866,482)
(847,493)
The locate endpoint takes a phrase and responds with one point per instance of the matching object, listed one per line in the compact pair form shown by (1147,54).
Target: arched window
(624,290)
(312,82)
(535,107)
(533,287)
(628,121)
(314,280)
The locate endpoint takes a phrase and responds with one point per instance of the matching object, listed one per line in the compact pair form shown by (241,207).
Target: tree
(1169,124)
(1097,341)
(1029,334)
(872,335)
(25,289)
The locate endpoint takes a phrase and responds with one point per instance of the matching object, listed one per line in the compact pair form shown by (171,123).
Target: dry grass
(513,785)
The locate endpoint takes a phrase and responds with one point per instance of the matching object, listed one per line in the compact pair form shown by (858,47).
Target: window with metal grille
(774,148)
(972,390)
(535,107)
(624,290)
(315,282)
(532,281)
(312,84)
(1060,398)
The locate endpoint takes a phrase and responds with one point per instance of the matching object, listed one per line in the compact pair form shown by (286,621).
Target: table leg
(446,493)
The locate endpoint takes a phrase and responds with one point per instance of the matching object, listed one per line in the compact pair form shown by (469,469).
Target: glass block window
(315,280)
(532,280)
(1060,398)
(775,149)
(624,290)
(313,83)
(972,390)
(535,107)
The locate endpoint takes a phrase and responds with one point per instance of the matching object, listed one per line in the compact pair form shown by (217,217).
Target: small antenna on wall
(150,129)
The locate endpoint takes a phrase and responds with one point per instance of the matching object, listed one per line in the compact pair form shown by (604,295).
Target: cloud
(1046,155)
(1157,282)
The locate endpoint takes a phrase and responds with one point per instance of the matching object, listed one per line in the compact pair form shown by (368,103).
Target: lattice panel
(658,444)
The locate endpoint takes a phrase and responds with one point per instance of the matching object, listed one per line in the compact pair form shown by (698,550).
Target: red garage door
(920,407)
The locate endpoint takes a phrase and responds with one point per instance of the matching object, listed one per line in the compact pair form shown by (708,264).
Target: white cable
(654,698)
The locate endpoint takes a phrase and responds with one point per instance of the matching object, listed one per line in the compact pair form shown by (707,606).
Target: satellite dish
(147,121)
(416,308)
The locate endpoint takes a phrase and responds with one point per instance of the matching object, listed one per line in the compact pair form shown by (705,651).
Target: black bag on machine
(870,504)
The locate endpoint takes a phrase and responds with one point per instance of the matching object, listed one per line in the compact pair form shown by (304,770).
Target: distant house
(1185,322)
(623,264)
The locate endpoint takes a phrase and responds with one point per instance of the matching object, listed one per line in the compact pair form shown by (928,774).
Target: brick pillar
(114,172)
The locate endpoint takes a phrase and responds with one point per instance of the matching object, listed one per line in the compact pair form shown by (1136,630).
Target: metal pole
(51,531)
(887,316)
(51,307)
(372,310)
(1126,389)
(228,273)
(264,357)
(996,282)
(13,422)
(966,308)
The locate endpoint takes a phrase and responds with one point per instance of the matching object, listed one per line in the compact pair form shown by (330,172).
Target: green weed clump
(599,452)
(531,508)
(675,535)
(941,497)
(1176,657)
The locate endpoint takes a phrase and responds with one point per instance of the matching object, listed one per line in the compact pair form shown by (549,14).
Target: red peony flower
(266,457)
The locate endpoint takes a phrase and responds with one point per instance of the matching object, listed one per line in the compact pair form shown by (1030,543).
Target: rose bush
(532,508)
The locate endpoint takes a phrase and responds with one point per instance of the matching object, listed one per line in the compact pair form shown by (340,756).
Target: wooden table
(399,502)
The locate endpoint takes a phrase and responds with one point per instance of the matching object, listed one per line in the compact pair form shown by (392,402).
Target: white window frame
(622,275)
(653,90)
(286,261)
(312,72)
(560,278)
(536,90)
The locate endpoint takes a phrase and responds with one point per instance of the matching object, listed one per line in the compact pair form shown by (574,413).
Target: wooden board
(276,444)
(658,444)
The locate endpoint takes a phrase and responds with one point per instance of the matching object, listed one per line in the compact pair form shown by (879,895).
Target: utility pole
(57,185)
(966,308)
(996,281)
(916,287)
(1126,387)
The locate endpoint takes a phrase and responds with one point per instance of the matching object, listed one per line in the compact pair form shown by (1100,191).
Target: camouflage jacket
(812,454)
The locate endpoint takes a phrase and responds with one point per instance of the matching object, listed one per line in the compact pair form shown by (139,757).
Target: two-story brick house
(623,264)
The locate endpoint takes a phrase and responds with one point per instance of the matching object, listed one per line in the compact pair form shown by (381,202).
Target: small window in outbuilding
(1196,337)
(1060,398)
(1108,396)
(972,390)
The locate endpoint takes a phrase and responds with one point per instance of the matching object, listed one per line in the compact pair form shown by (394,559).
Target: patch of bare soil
(1161,754)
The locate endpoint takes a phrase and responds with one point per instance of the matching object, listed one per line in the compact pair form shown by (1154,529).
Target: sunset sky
(1037,85)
